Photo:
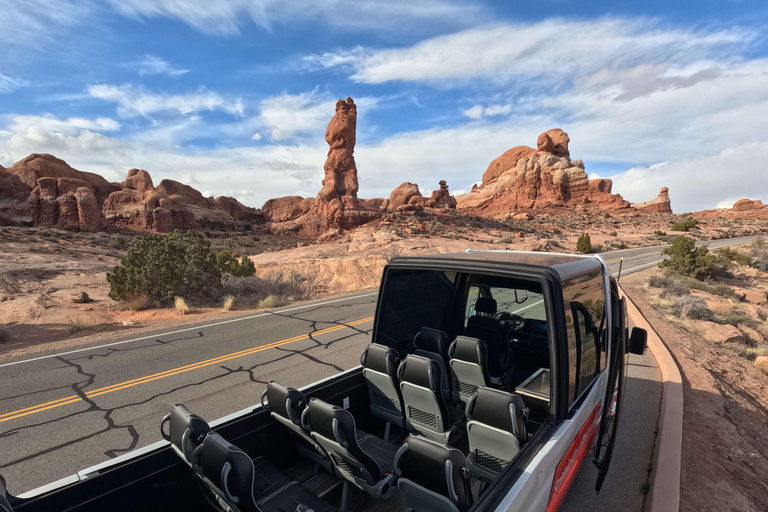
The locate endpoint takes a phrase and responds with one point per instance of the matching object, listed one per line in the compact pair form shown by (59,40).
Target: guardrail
(664,494)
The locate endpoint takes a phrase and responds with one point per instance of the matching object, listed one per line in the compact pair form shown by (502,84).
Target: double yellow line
(170,373)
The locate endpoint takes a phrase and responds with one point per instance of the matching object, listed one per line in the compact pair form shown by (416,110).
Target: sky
(233,97)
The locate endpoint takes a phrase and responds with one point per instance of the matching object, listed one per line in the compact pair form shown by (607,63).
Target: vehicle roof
(565,265)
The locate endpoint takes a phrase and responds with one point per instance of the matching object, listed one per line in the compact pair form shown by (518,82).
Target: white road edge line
(188,329)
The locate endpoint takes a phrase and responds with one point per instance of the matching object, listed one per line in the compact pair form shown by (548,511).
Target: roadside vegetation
(721,293)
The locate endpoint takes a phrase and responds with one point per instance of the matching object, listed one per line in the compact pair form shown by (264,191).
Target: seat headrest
(321,421)
(380,359)
(431,340)
(226,466)
(5,505)
(468,349)
(186,430)
(434,466)
(286,402)
(485,305)
(498,409)
(420,371)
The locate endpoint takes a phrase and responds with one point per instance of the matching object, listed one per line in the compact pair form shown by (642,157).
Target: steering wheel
(516,322)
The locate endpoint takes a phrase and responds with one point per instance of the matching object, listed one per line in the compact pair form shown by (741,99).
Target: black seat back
(430,476)
(469,366)
(334,429)
(227,471)
(496,429)
(186,431)
(380,372)
(5,505)
(482,325)
(433,344)
(425,409)
(286,405)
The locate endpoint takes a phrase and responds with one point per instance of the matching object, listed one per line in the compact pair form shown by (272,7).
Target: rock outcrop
(524,178)
(66,203)
(404,196)
(14,204)
(742,209)
(283,209)
(441,198)
(661,204)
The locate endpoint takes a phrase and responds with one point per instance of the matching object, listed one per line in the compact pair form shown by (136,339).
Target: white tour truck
(490,377)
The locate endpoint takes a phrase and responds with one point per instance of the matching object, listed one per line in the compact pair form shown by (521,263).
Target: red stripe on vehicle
(569,465)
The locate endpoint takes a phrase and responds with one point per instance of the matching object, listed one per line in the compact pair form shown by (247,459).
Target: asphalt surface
(63,412)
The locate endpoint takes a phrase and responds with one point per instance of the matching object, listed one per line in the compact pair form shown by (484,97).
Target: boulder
(751,296)
(403,195)
(751,333)
(80,298)
(762,363)
(522,216)
(287,208)
(138,179)
(747,204)
(90,218)
(554,141)
(441,198)
(661,204)
(719,333)
(742,209)
(505,162)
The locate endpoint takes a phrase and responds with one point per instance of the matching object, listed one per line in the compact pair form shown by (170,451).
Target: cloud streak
(137,101)
(150,65)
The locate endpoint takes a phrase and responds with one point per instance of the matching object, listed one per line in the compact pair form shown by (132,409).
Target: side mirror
(638,341)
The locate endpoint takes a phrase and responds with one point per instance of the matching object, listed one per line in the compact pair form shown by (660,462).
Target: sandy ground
(41,269)
(725,447)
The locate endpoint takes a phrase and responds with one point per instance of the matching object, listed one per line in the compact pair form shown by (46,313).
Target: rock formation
(441,198)
(404,196)
(742,209)
(42,190)
(282,209)
(526,178)
(661,204)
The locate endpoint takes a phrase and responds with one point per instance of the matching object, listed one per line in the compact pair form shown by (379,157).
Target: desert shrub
(119,242)
(728,254)
(668,285)
(750,353)
(584,244)
(392,252)
(607,216)
(229,301)
(587,200)
(270,301)
(284,286)
(758,250)
(694,308)
(228,264)
(180,264)
(5,336)
(613,233)
(556,232)
(735,320)
(75,326)
(506,240)
(687,259)
(660,233)
(181,306)
(685,225)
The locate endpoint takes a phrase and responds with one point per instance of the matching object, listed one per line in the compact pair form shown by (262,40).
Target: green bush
(729,254)
(556,232)
(689,260)
(587,200)
(180,264)
(119,242)
(584,244)
(613,233)
(659,233)
(228,264)
(685,225)
(607,216)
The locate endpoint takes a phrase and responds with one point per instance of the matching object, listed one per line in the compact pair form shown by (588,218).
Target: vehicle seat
(430,476)
(425,409)
(380,372)
(482,325)
(244,485)
(5,505)
(469,366)
(496,427)
(365,461)
(186,431)
(433,344)
(286,405)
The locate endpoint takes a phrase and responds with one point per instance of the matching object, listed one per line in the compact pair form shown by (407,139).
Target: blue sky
(233,97)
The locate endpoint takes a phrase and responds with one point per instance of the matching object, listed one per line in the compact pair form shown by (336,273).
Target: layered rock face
(282,209)
(42,190)
(661,204)
(742,209)
(527,178)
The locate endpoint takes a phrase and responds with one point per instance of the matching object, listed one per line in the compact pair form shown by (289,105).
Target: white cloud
(153,65)
(555,49)
(37,22)
(133,101)
(475,112)
(225,18)
(256,136)
(478,111)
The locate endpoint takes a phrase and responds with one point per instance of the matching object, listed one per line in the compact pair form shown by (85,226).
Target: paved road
(63,412)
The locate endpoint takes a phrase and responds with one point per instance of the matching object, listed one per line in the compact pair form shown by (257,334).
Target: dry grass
(284,287)
(229,301)
(269,302)
(181,306)
(138,303)
(75,326)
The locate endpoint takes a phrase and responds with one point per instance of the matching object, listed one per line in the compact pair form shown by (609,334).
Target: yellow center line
(169,373)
